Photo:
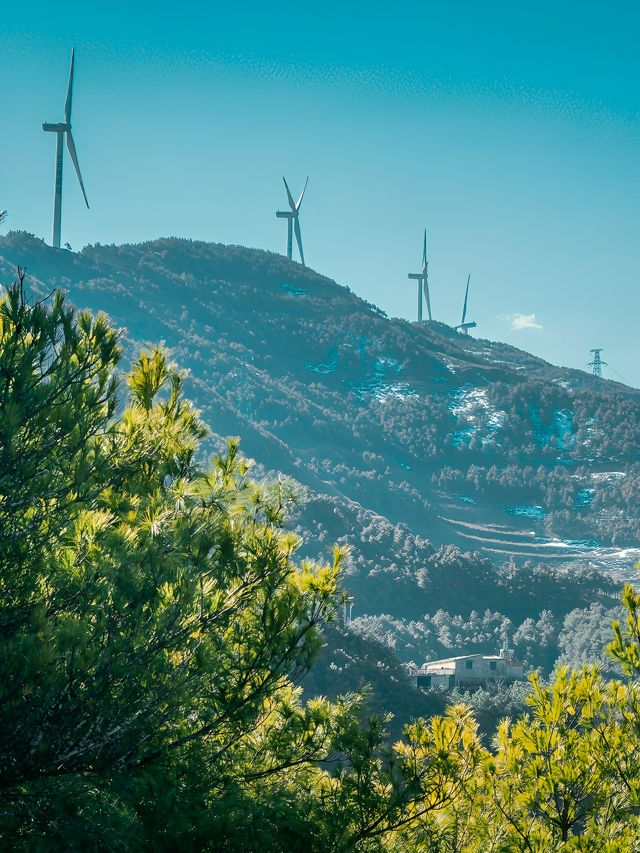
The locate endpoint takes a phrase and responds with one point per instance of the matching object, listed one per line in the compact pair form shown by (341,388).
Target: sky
(509,130)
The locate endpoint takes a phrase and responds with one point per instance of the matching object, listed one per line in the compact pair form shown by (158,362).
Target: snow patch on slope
(475,415)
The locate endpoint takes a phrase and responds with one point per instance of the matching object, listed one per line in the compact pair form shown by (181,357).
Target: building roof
(452,660)
(444,662)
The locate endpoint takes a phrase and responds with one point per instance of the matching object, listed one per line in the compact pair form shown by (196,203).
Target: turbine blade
(299,239)
(292,203)
(299,202)
(74,157)
(424,249)
(67,106)
(466,297)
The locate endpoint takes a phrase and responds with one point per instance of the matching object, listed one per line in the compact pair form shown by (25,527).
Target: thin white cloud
(521,321)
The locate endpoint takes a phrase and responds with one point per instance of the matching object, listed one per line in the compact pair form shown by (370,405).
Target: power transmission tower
(597,363)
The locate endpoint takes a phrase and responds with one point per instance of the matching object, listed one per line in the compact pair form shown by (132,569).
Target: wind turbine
(292,216)
(423,281)
(62,128)
(463,328)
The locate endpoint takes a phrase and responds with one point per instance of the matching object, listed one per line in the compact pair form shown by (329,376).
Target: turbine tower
(292,217)
(60,129)
(597,363)
(463,328)
(423,281)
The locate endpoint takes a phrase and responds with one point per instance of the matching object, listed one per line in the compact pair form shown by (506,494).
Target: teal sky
(510,130)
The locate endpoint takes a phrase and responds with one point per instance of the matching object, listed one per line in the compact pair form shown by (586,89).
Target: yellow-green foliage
(153,625)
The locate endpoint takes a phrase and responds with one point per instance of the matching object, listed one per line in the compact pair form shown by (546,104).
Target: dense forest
(157,617)
(464,475)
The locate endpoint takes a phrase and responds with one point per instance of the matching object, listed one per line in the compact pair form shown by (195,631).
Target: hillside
(467,475)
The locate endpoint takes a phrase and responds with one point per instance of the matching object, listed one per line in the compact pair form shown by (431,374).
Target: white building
(470,671)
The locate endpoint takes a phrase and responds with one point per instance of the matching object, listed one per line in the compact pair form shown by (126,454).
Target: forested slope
(476,484)
(155,620)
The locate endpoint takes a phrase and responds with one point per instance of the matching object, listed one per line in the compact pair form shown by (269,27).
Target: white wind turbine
(464,327)
(423,281)
(292,216)
(62,128)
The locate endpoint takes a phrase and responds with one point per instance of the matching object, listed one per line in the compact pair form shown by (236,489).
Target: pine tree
(154,623)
